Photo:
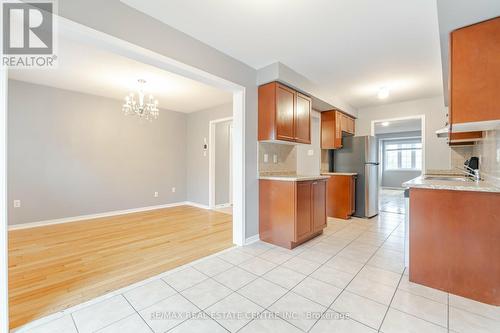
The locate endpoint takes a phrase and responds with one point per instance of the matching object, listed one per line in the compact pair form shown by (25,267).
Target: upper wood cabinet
(303,119)
(334,124)
(284,114)
(475,73)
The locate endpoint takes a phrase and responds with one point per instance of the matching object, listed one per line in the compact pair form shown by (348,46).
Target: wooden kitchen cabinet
(284,114)
(318,202)
(303,119)
(291,212)
(475,73)
(341,196)
(464,138)
(335,124)
(453,242)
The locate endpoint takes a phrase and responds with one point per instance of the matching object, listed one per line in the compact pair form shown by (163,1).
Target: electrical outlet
(275,158)
(173,189)
(266,158)
(17,203)
(156,194)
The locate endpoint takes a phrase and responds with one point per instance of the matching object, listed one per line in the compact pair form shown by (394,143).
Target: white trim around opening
(85,34)
(211,159)
(422,119)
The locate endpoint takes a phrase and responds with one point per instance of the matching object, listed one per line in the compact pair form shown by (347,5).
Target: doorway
(402,158)
(220,164)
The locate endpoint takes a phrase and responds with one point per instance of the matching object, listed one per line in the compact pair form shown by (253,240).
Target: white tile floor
(350,279)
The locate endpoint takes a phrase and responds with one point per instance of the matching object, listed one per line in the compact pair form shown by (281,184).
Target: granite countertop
(457,185)
(292,178)
(339,173)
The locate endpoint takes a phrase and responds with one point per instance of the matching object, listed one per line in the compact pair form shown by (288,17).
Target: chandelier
(140,107)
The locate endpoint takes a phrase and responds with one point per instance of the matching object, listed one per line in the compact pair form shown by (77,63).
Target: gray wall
(73,154)
(177,45)
(394,178)
(437,151)
(222,162)
(196,161)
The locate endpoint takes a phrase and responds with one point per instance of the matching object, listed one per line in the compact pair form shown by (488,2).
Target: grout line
(344,289)
(74,323)
(448,313)
(392,298)
(137,312)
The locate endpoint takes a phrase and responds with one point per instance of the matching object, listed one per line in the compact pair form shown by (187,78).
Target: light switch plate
(266,158)
(17,203)
(275,158)
(310,152)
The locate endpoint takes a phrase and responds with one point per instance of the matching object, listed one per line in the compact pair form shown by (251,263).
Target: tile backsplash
(489,152)
(459,155)
(286,155)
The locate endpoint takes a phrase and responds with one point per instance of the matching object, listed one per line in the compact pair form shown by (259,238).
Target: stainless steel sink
(448,178)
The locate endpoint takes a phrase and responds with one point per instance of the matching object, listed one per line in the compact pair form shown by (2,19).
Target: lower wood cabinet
(341,196)
(291,212)
(454,245)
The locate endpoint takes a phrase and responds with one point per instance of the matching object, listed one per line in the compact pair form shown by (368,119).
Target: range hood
(443,132)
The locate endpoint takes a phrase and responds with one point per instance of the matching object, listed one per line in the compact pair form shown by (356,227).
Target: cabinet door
(350,125)
(303,119)
(285,113)
(319,204)
(338,130)
(352,194)
(475,72)
(303,216)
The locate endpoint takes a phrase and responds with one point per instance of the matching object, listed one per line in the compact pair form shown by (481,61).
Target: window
(403,155)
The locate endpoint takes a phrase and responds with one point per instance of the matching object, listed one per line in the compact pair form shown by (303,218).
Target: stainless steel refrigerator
(360,154)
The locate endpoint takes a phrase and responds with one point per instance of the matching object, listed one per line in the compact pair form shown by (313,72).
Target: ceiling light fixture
(383,93)
(385,123)
(140,107)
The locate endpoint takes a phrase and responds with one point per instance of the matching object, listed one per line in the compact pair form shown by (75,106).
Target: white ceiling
(348,47)
(397,126)
(87,69)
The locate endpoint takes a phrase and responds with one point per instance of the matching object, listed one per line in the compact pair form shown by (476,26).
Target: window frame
(413,159)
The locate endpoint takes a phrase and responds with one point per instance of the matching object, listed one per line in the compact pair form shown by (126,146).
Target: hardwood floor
(54,267)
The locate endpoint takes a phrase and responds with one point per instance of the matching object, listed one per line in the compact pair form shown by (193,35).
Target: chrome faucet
(474,173)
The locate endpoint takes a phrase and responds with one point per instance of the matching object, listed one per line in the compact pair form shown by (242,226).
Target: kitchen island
(454,236)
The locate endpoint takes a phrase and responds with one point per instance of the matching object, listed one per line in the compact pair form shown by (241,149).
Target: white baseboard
(253,239)
(100,215)
(226,205)
(197,205)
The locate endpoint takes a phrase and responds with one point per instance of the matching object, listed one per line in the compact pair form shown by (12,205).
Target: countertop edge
(292,178)
(472,187)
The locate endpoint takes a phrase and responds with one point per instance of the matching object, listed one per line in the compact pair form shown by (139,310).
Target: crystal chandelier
(144,109)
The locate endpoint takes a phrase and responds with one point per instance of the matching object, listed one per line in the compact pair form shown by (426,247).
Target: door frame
(422,126)
(82,33)
(4,254)
(211,159)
